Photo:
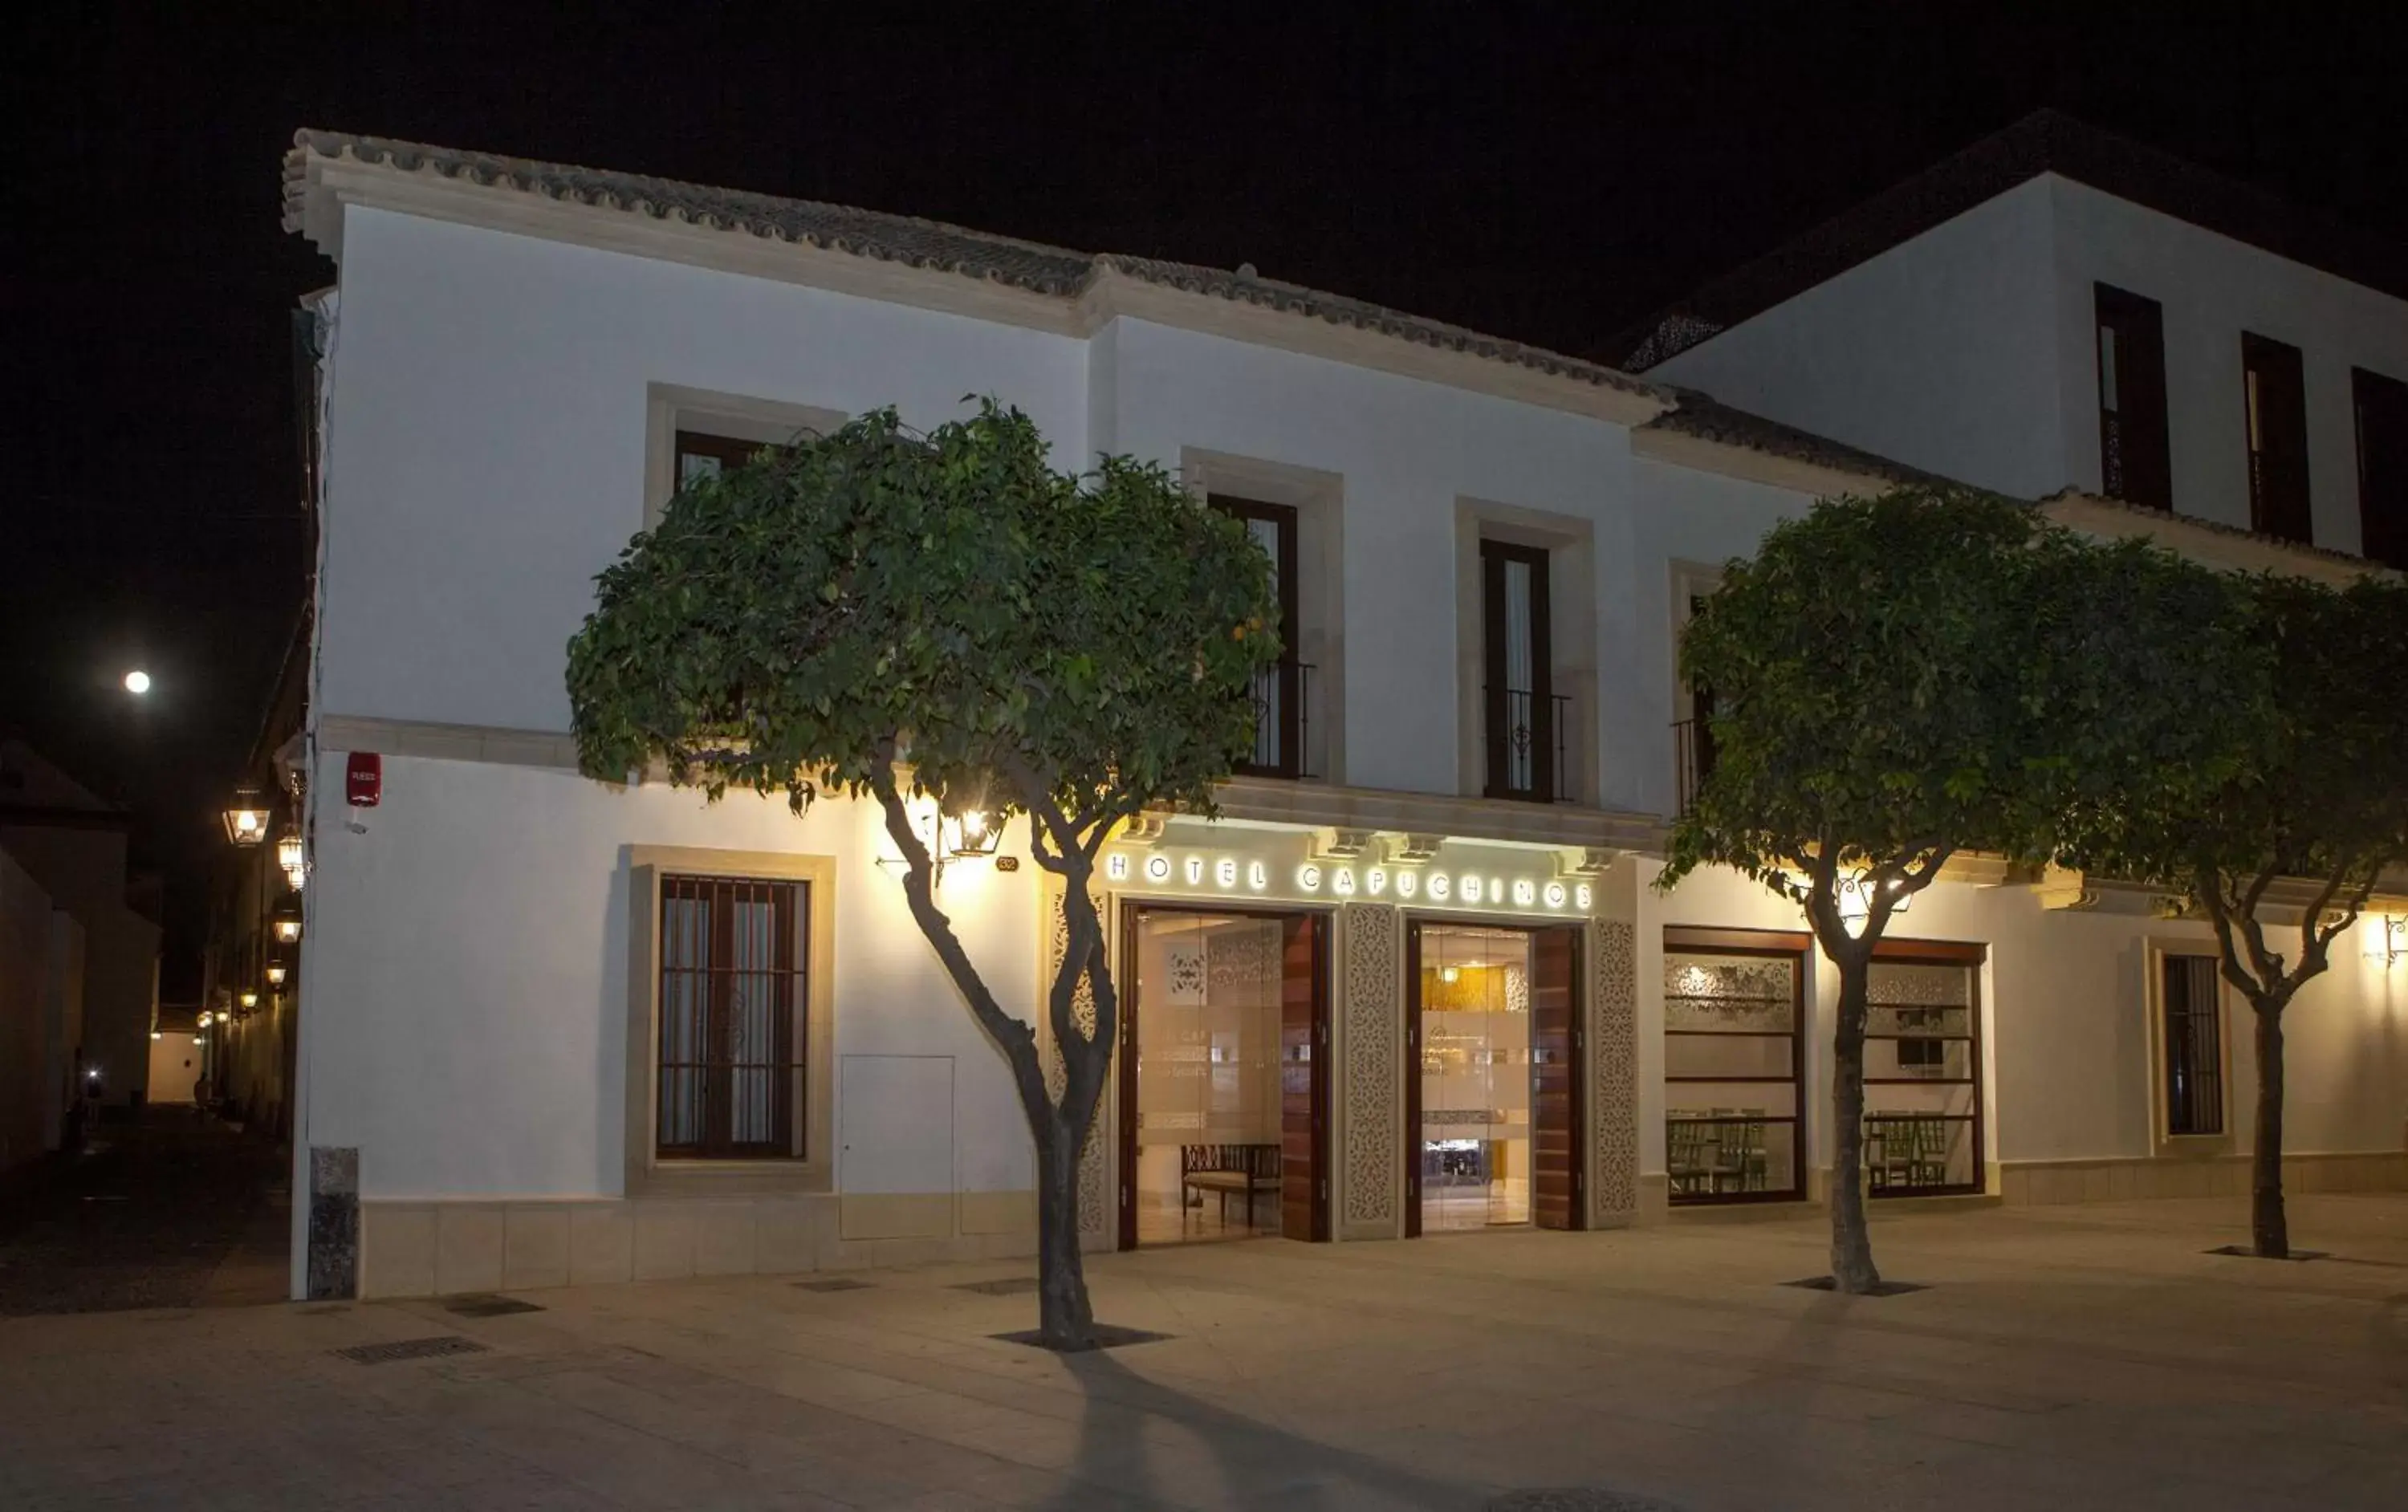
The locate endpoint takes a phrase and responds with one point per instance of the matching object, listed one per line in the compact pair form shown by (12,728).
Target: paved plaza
(2063,1358)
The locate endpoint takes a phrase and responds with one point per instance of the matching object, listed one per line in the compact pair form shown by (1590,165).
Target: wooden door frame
(1132,910)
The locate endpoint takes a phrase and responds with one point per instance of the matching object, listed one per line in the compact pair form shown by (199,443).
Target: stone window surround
(1318,498)
(646,1175)
(2164,1144)
(669,409)
(1570,544)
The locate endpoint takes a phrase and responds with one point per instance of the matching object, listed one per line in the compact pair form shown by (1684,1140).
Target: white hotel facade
(1416,976)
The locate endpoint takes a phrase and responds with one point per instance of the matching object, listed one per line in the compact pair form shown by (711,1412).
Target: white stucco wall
(2213,289)
(1406,451)
(487,430)
(466,972)
(1942,353)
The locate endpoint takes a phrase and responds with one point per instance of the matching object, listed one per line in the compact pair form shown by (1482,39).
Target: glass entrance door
(1473,1145)
(1224,1088)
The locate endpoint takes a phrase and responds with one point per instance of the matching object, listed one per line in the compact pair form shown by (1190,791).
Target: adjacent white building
(1415,978)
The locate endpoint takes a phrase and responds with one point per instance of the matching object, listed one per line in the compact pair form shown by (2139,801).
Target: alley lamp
(288,929)
(289,853)
(275,973)
(246,818)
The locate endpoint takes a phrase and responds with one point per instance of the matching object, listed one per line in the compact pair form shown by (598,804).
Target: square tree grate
(382,1354)
(487,1305)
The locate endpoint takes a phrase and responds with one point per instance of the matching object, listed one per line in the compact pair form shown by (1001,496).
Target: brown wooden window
(2192,1035)
(2274,397)
(1525,721)
(2382,406)
(1281,692)
(2134,463)
(700,454)
(732,1026)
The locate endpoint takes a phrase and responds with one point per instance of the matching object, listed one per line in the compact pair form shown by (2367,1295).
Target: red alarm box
(362,780)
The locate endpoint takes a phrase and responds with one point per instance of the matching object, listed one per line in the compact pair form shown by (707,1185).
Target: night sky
(1546,183)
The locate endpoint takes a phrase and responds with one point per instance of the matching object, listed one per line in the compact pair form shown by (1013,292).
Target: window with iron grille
(2193,1038)
(1525,718)
(2274,412)
(732,1018)
(2134,462)
(1282,691)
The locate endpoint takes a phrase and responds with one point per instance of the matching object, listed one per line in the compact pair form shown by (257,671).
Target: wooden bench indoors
(1227,1171)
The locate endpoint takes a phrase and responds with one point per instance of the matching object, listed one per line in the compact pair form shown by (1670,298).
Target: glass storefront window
(1923,1071)
(1732,1067)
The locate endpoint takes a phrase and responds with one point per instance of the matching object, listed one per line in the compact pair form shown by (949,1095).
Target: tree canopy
(946,599)
(2302,784)
(878,611)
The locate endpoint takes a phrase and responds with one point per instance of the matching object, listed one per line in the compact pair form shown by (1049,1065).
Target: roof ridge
(1038,267)
(2047,140)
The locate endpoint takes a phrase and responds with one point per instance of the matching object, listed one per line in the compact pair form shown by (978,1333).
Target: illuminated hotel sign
(1224,874)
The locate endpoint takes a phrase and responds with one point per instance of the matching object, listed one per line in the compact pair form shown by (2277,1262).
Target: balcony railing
(1530,754)
(1693,757)
(1282,698)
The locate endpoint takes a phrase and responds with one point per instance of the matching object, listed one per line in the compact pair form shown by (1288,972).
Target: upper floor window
(2134,462)
(1694,735)
(733,1025)
(2382,406)
(1526,719)
(700,454)
(1282,691)
(2275,398)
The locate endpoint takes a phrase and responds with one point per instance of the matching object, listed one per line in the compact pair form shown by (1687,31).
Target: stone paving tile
(2092,1359)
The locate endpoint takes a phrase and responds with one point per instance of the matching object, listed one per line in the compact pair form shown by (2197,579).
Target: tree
(889,615)
(2308,784)
(1878,707)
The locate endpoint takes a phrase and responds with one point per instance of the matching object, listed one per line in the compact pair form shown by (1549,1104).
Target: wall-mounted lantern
(275,971)
(289,855)
(246,818)
(1856,899)
(2386,938)
(288,929)
(974,831)
(249,1000)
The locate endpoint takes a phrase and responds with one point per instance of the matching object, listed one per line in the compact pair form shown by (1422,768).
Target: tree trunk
(1851,1244)
(2270,1229)
(1064,1316)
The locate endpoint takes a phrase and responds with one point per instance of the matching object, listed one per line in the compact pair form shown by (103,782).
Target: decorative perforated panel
(1614,1109)
(1373,1013)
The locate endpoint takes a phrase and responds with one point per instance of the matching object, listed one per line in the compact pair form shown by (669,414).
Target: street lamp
(288,929)
(275,973)
(250,1000)
(246,818)
(289,855)
(137,682)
